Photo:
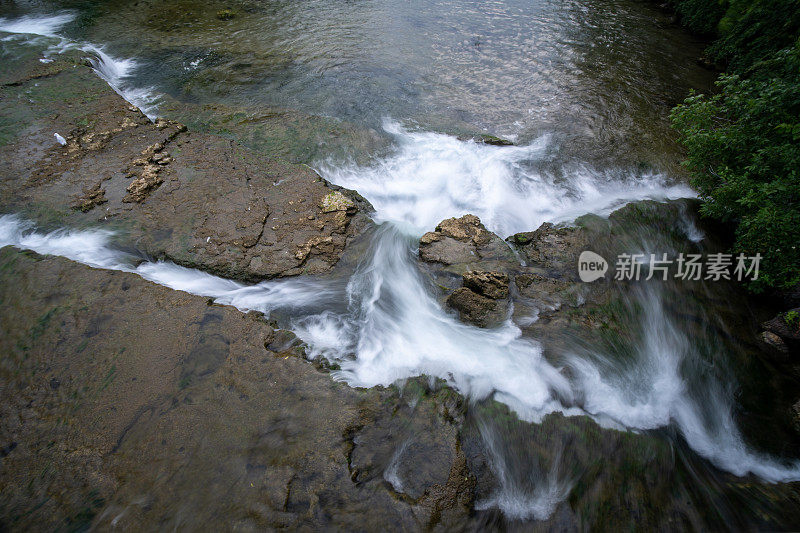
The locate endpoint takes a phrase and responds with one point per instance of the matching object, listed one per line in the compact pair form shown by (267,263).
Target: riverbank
(739,143)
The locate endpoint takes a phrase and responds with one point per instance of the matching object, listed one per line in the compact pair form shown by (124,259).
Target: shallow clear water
(600,75)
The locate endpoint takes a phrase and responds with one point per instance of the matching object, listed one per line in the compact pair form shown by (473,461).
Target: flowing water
(583,87)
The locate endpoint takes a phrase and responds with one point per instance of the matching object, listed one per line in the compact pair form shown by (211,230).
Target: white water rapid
(393,328)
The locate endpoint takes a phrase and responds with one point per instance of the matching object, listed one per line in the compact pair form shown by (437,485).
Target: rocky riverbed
(127,404)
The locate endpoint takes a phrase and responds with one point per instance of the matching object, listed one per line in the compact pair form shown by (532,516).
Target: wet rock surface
(129,405)
(196,199)
(784,330)
(484,138)
(774,342)
(212,420)
(483,300)
(553,249)
(121,401)
(492,285)
(650,483)
(476,309)
(460,242)
(481,274)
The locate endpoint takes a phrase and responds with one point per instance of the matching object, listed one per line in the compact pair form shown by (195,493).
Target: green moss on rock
(336,201)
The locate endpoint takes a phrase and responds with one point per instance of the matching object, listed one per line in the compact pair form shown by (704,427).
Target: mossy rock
(336,201)
(486,139)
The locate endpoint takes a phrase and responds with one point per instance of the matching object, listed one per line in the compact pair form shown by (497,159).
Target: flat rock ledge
(199,200)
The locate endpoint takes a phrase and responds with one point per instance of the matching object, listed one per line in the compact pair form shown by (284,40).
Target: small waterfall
(666,383)
(391,327)
(524,491)
(385,323)
(395,329)
(116,72)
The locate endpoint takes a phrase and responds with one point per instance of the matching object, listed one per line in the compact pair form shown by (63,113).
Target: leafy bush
(743,149)
(700,16)
(752,30)
(747,30)
(792,318)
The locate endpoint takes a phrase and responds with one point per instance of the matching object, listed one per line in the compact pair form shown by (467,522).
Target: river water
(584,88)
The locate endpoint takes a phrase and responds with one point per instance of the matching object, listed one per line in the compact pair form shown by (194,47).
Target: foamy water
(522,494)
(45,26)
(114,71)
(431,177)
(392,329)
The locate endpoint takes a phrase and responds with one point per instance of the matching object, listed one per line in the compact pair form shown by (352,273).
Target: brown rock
(146,182)
(485,139)
(429,237)
(301,451)
(476,309)
(774,341)
(91,197)
(199,200)
(553,248)
(462,229)
(786,326)
(448,251)
(153,159)
(317,245)
(336,201)
(462,240)
(492,285)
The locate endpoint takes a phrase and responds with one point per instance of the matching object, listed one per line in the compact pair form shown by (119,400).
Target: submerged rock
(486,139)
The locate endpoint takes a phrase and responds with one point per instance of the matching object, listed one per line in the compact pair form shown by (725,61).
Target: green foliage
(747,30)
(743,147)
(753,30)
(700,16)
(792,318)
